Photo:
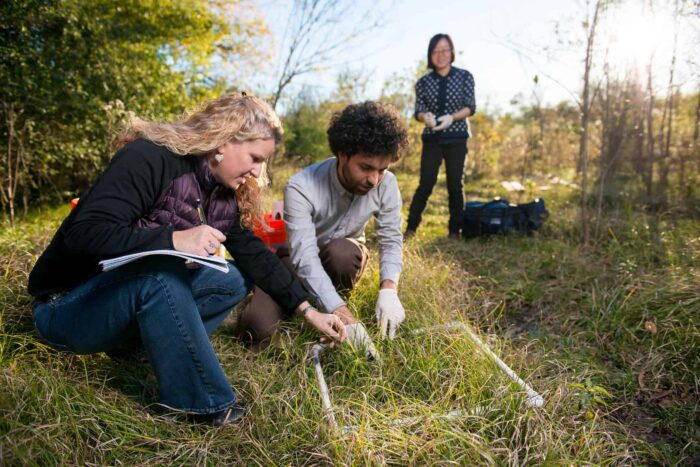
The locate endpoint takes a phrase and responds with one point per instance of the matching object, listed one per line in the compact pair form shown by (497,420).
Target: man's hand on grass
(356,332)
(360,340)
(345,315)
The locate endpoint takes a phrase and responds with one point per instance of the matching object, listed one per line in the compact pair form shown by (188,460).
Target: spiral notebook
(217,262)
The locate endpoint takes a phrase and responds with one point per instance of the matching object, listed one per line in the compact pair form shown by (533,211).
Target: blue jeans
(156,301)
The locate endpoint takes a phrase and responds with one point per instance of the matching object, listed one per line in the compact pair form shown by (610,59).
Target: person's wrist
(311,314)
(387,292)
(304,310)
(175,240)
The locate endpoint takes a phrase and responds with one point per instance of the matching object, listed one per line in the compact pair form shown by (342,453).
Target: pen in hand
(200,212)
(203,221)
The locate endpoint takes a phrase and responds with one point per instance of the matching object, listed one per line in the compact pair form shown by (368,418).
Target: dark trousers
(344,261)
(455,155)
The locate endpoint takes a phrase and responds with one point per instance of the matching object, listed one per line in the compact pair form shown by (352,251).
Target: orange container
(275,236)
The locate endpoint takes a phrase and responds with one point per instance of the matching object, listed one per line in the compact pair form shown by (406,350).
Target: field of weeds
(607,334)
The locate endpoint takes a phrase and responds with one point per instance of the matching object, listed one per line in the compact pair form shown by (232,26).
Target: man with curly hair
(326,209)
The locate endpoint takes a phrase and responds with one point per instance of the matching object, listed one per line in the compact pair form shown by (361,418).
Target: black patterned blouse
(442,95)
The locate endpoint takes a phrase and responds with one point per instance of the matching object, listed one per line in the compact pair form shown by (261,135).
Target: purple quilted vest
(177,204)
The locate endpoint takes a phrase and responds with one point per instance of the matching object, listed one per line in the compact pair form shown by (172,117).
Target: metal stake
(325,394)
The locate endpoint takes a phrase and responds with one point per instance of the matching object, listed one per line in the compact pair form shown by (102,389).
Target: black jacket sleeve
(103,222)
(469,99)
(421,99)
(265,268)
(102,225)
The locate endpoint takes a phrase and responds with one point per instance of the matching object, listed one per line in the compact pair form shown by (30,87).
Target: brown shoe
(453,236)
(408,234)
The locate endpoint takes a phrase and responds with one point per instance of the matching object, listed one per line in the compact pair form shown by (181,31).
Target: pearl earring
(219,157)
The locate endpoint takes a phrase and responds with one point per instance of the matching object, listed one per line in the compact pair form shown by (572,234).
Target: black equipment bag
(500,217)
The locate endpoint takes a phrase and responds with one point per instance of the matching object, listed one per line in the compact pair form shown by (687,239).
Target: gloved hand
(389,311)
(359,339)
(429,119)
(445,122)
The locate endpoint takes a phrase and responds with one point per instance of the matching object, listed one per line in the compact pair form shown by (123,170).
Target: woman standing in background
(444,100)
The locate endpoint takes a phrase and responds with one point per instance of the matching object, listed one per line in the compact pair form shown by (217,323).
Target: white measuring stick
(325,394)
(533,398)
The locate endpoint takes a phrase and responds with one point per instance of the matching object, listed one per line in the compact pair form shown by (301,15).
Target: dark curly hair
(370,128)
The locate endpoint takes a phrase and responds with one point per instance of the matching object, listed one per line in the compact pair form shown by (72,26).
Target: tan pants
(344,261)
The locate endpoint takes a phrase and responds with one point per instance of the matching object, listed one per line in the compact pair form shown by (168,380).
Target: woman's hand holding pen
(202,240)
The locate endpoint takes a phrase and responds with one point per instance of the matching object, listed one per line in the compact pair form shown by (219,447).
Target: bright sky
(504,43)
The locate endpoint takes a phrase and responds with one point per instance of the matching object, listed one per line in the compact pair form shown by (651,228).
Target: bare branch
(314,36)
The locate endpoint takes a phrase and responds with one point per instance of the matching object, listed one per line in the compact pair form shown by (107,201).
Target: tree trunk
(694,153)
(667,120)
(604,149)
(665,161)
(7,189)
(649,175)
(585,119)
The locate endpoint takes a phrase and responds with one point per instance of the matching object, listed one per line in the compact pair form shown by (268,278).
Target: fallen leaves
(651,327)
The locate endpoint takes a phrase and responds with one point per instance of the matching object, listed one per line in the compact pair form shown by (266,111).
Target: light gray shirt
(318,209)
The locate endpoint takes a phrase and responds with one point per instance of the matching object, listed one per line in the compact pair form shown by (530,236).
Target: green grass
(575,323)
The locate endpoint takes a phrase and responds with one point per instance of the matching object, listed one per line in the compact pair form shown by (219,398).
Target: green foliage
(306,123)
(72,69)
(398,90)
(590,396)
(305,132)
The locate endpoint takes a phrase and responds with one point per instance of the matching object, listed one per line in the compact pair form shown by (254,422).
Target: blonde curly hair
(232,117)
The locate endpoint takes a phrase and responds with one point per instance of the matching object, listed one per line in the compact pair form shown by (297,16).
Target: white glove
(429,119)
(390,312)
(445,122)
(360,341)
